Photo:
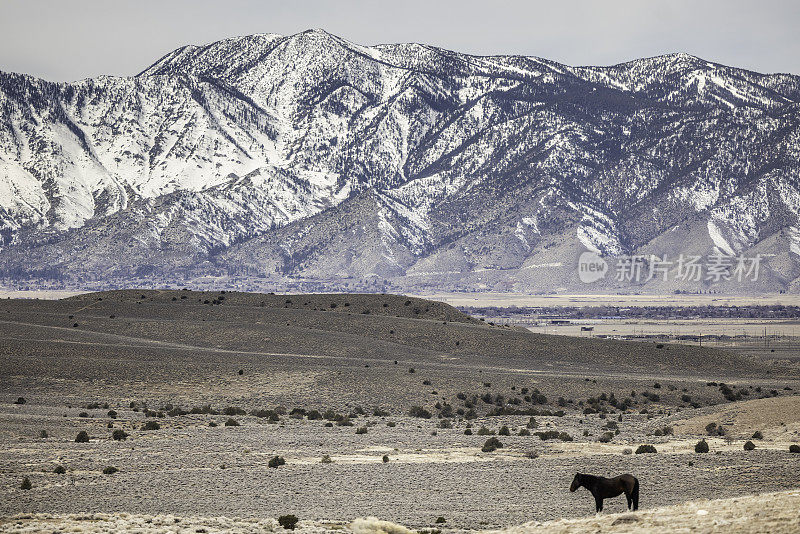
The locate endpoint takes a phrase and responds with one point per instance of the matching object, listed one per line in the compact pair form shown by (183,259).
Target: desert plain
(332,408)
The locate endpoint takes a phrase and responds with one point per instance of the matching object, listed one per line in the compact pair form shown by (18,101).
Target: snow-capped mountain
(267,159)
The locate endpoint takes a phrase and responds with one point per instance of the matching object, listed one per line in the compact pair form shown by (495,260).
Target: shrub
(206,409)
(524,432)
(361,430)
(441,519)
(794,448)
(83,414)
(112,414)
(119,435)
(391,424)
(110,470)
(445,423)
(553,434)
(385,459)
(491,445)
(627,451)
(327,459)
(504,431)
(272,415)
(82,437)
(749,446)
(701,446)
(176,411)
(43,434)
(26,484)
(758,435)
(531,455)
(645,449)
(59,470)
(468,432)
(483,431)
(547,434)
(151,425)
(606,437)
(276,461)
(231,422)
(344,421)
(212,424)
(532,423)
(288,521)
(20,400)
(419,411)
(233,410)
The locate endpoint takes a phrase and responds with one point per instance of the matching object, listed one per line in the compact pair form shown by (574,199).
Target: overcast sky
(73,39)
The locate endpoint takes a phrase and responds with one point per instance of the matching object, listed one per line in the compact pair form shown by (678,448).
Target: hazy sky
(72,39)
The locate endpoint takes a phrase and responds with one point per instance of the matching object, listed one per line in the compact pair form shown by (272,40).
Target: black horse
(604,488)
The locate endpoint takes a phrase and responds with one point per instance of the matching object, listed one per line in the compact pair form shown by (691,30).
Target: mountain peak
(264,157)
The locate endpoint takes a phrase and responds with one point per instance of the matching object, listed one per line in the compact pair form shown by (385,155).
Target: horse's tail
(635,493)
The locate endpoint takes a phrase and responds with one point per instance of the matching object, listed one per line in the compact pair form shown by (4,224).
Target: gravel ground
(189,468)
(161,352)
(775,513)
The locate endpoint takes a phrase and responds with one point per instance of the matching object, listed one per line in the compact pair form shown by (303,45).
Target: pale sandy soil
(51,294)
(673,327)
(520,299)
(777,417)
(775,513)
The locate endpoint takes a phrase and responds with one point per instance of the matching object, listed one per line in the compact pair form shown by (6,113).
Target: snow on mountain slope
(271,157)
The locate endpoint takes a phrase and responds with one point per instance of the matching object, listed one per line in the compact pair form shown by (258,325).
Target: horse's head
(576,482)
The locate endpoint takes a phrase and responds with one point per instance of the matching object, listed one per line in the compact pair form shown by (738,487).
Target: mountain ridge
(220,155)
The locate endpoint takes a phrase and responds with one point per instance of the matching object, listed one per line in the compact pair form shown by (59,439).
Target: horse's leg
(598,504)
(630,499)
(635,495)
